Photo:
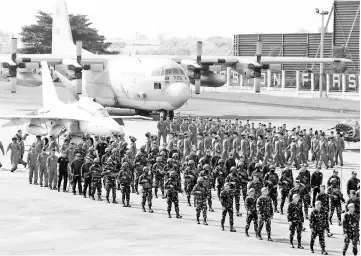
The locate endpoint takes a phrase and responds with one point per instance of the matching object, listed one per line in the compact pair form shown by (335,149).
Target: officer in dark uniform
(317,226)
(352,183)
(76,173)
(265,213)
(286,184)
(271,180)
(324,198)
(295,220)
(110,176)
(316,182)
(226,198)
(85,173)
(146,180)
(351,230)
(96,178)
(234,178)
(200,193)
(63,162)
(173,187)
(250,205)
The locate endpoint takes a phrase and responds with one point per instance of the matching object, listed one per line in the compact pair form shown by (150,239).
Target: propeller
(13,66)
(198,68)
(78,70)
(258,66)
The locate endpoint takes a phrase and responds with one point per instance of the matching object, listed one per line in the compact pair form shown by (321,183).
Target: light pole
(322,13)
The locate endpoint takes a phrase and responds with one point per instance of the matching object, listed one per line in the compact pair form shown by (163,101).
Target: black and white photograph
(180,127)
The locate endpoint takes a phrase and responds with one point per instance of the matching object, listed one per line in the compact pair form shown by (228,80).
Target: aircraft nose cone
(107,126)
(179,93)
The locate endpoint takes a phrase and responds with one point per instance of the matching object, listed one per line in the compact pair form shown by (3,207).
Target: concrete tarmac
(39,221)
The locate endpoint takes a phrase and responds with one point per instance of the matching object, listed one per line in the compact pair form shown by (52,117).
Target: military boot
(169,216)
(108,200)
(291,245)
(299,246)
(222,225)
(269,238)
(143,208)
(211,209)
(124,205)
(323,252)
(178,216)
(163,194)
(92,197)
(232,229)
(99,198)
(238,214)
(198,220)
(189,201)
(259,237)
(150,210)
(205,222)
(128,205)
(246,232)
(133,190)
(311,249)
(114,202)
(83,195)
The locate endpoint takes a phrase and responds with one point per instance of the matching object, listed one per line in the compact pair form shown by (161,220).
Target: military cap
(258,165)
(251,190)
(96,160)
(102,137)
(354,172)
(51,136)
(264,188)
(350,205)
(233,168)
(335,171)
(235,133)
(272,167)
(226,133)
(147,134)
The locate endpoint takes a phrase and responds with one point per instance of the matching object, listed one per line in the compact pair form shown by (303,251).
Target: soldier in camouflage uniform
(271,180)
(157,169)
(173,187)
(265,213)
(201,193)
(96,179)
(304,177)
(286,184)
(146,180)
(250,205)
(81,151)
(295,220)
(336,198)
(207,182)
(125,180)
(353,200)
(226,198)
(190,177)
(351,230)
(297,189)
(257,185)
(138,170)
(110,176)
(244,179)
(324,198)
(219,176)
(234,178)
(317,226)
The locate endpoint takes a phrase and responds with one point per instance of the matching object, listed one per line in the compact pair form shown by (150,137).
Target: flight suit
(236,147)
(252,148)
(43,174)
(260,150)
(265,213)
(39,144)
(317,224)
(301,152)
(51,164)
(295,216)
(53,144)
(293,158)
(323,154)
(278,160)
(162,132)
(250,205)
(187,147)
(267,156)
(340,144)
(33,167)
(15,155)
(351,228)
(225,149)
(332,149)
(192,129)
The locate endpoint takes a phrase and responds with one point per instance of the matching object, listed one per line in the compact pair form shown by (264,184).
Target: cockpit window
(175,71)
(102,112)
(168,72)
(182,72)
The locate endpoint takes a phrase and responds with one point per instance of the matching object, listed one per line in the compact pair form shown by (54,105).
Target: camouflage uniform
(336,199)
(250,205)
(220,174)
(110,176)
(317,226)
(325,207)
(351,229)
(286,184)
(172,187)
(271,180)
(200,193)
(257,185)
(125,179)
(234,178)
(190,176)
(226,198)
(138,170)
(295,216)
(243,175)
(305,180)
(207,177)
(96,180)
(146,181)
(265,213)
(158,178)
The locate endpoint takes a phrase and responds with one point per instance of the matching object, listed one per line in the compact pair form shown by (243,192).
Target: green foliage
(275,51)
(37,37)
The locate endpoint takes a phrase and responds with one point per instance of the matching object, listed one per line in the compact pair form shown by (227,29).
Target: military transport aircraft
(83,116)
(143,83)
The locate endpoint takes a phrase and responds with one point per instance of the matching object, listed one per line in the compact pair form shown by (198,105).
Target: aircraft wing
(132,117)
(19,120)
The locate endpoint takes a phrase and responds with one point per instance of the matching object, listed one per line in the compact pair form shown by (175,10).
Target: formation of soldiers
(197,156)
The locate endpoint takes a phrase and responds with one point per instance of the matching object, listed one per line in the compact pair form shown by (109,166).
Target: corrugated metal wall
(347,14)
(307,44)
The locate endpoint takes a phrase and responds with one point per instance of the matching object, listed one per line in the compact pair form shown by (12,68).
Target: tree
(339,52)
(37,37)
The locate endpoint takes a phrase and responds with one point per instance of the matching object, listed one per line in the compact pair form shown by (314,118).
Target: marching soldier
(257,185)
(286,184)
(234,178)
(305,181)
(271,180)
(316,182)
(207,182)
(201,193)
(110,176)
(250,205)
(173,187)
(190,179)
(219,175)
(336,199)
(265,213)
(158,176)
(96,179)
(125,180)
(351,230)
(324,198)
(295,220)
(226,198)
(243,176)
(146,180)
(317,226)
(340,147)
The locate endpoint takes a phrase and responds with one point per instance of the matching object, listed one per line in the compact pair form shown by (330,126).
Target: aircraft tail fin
(50,97)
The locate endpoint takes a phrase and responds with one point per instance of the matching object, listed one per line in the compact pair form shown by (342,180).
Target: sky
(198,18)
